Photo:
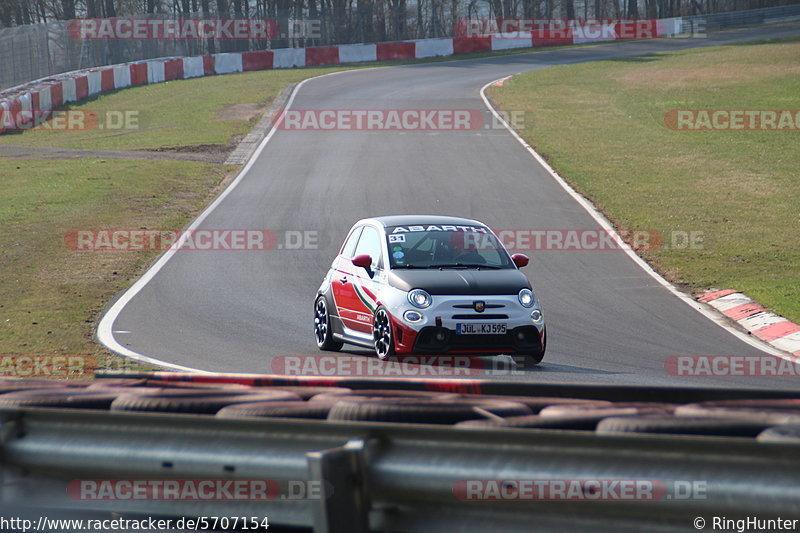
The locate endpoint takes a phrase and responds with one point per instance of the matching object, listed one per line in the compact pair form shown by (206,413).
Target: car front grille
(482,316)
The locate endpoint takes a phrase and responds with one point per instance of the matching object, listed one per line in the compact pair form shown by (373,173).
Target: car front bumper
(436,332)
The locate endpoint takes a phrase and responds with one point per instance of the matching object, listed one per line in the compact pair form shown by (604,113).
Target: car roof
(421,220)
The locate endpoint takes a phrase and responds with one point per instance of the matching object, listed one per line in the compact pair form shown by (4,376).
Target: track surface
(608,321)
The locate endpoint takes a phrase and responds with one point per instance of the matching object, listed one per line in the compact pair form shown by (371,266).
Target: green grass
(601,126)
(184,113)
(51,295)
(172,114)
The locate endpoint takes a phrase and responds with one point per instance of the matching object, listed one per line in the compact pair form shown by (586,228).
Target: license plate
(480,329)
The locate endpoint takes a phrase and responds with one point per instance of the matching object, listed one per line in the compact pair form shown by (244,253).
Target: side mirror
(520,260)
(363,261)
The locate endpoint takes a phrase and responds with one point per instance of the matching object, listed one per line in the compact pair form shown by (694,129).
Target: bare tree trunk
(434,32)
(210,44)
(527,9)
(569,7)
(421,33)
(363,32)
(339,22)
(67,10)
(496,7)
(453,16)
(397,15)
(379,31)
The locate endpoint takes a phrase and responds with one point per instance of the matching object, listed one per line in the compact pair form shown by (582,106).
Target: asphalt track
(608,320)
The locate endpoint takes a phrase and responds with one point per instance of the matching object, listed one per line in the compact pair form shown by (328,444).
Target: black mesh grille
(481,316)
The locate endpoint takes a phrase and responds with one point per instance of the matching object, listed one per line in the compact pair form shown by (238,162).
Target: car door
(365,284)
(344,295)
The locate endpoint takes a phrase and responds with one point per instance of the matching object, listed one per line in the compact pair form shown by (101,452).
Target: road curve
(608,320)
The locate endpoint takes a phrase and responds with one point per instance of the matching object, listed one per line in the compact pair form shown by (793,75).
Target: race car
(428,285)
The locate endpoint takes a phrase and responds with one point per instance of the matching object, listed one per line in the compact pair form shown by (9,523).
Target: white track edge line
(718,319)
(105,333)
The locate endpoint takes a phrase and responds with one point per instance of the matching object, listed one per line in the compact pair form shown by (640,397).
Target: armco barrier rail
(740,19)
(389,477)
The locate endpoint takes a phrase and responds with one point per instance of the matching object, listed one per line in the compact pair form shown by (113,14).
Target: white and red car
(428,284)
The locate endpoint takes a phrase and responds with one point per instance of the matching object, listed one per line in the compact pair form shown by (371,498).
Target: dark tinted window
(435,246)
(370,244)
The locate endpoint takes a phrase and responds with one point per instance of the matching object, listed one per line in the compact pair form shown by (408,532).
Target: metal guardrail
(387,477)
(740,19)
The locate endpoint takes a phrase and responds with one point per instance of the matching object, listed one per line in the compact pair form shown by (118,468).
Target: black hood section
(460,281)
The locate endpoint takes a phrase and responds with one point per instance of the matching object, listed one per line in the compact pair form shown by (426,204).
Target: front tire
(382,336)
(323,330)
(533,360)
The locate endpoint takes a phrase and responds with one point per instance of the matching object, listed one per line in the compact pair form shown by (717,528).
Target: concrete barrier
(155,71)
(193,67)
(227,63)
(356,53)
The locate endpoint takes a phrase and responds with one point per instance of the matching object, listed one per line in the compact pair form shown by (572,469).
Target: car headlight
(536,316)
(526,297)
(419,298)
(413,316)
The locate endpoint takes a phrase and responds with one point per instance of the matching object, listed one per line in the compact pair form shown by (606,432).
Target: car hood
(460,281)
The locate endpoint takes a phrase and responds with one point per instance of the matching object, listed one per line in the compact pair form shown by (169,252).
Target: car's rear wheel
(382,336)
(323,330)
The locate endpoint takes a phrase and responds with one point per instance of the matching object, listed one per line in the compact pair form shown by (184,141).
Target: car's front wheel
(530,361)
(382,333)
(323,330)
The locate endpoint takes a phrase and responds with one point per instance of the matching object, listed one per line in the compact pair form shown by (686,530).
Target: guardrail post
(343,505)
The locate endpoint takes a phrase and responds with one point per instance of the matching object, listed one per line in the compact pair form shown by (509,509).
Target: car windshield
(432,246)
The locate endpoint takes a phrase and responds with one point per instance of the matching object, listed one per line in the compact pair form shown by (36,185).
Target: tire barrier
(193,401)
(683,425)
(763,419)
(316,410)
(420,411)
(788,434)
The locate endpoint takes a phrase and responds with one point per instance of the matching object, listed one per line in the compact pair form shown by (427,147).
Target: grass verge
(195,114)
(602,127)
